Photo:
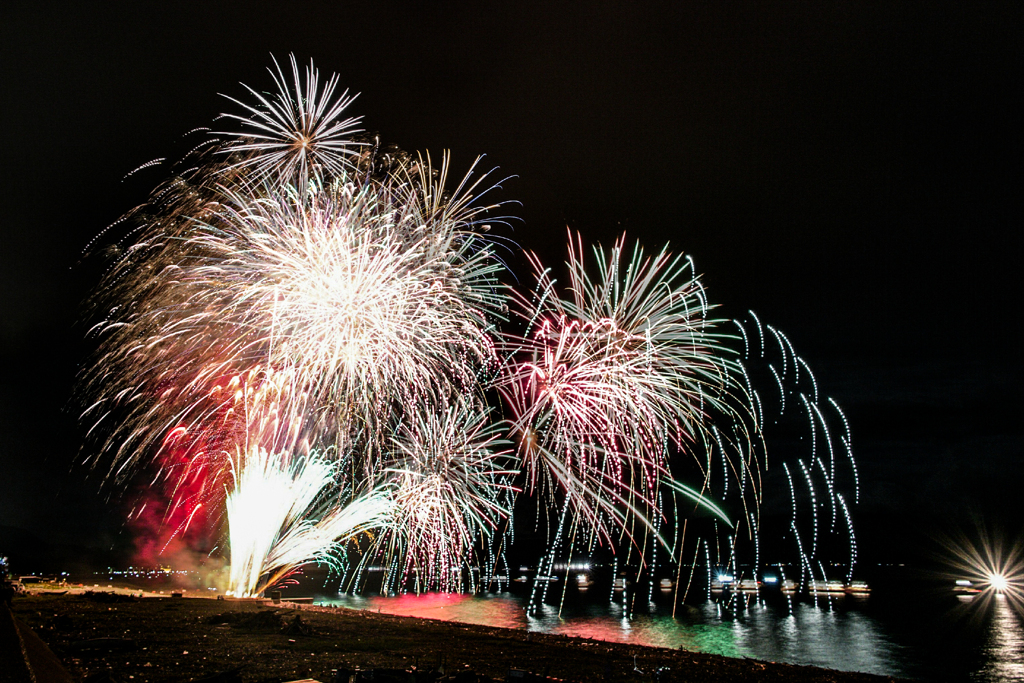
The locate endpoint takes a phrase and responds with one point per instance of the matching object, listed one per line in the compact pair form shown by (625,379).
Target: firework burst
(301,328)
(275,309)
(296,131)
(610,377)
(821,474)
(364,292)
(452,473)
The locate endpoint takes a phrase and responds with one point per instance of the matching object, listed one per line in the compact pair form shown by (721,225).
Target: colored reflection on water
(811,635)
(494,610)
(655,630)
(905,628)
(898,635)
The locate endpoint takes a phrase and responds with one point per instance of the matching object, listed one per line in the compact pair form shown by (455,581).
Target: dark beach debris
(297,628)
(60,622)
(414,675)
(523,676)
(105,676)
(227,676)
(405,676)
(467,676)
(107,596)
(266,621)
(101,645)
(380,676)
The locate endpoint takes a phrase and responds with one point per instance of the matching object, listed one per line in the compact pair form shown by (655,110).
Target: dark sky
(850,171)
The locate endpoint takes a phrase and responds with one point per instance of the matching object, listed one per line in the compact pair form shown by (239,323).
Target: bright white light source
(998,582)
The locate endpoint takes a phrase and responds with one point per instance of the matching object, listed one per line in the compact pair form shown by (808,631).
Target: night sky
(851,172)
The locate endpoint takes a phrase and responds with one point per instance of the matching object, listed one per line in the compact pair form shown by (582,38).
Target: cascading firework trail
(821,474)
(305,330)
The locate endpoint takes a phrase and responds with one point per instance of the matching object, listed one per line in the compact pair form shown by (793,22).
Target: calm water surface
(925,635)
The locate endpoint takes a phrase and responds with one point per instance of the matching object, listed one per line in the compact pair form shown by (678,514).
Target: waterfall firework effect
(309,333)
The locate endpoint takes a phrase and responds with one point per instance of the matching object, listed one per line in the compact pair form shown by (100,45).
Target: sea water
(905,631)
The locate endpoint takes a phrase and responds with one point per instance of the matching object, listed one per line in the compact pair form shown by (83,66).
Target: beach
(159,638)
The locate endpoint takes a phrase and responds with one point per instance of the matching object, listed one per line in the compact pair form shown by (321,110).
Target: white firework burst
(296,130)
(452,471)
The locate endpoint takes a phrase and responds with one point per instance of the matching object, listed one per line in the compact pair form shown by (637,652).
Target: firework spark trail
(285,504)
(853,537)
(824,482)
(282,502)
(318,540)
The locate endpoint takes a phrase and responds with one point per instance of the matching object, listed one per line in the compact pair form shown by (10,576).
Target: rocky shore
(105,636)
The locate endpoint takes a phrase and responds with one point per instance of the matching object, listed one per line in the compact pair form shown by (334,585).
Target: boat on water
(833,587)
(548,579)
(966,587)
(856,588)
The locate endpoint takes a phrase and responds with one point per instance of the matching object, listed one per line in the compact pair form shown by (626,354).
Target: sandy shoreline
(158,639)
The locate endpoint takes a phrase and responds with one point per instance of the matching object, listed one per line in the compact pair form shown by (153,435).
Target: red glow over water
(509,613)
(453,607)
